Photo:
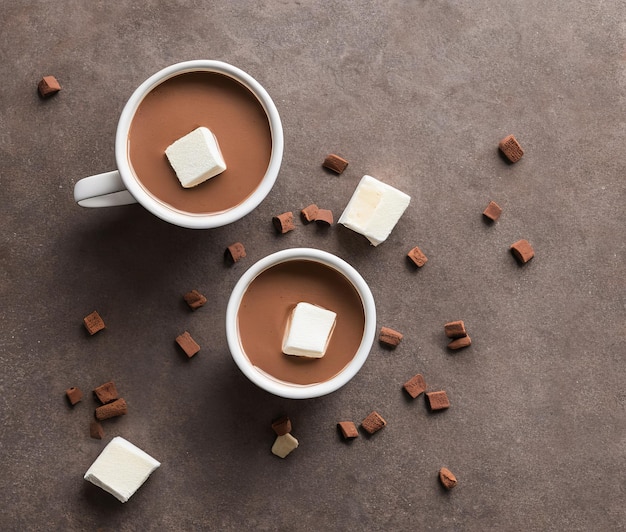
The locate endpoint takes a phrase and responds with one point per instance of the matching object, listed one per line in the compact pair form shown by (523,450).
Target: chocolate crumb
(324,217)
(106,392)
(415,385)
(511,148)
(48,86)
(447,478)
(417,257)
(234,253)
(459,343)
(187,344)
(95,430)
(455,329)
(74,395)
(194,299)
(281,426)
(373,423)
(283,223)
(389,337)
(93,323)
(348,430)
(309,213)
(522,251)
(437,400)
(114,409)
(335,163)
(492,212)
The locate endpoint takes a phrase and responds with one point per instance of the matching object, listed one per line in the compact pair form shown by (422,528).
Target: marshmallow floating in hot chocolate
(374,209)
(308,331)
(121,468)
(196,157)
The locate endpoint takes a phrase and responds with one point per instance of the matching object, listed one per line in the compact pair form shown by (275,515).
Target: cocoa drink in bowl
(242,122)
(278,310)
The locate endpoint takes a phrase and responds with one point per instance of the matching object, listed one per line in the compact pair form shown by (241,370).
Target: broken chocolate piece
(194,299)
(459,343)
(373,423)
(106,392)
(309,213)
(437,400)
(522,251)
(283,223)
(187,344)
(447,478)
(389,337)
(48,86)
(324,217)
(281,426)
(493,211)
(415,385)
(95,430)
(511,148)
(455,329)
(348,430)
(114,409)
(235,252)
(74,395)
(93,323)
(335,163)
(417,257)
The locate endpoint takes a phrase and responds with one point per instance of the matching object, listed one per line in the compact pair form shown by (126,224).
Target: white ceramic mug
(282,388)
(121,187)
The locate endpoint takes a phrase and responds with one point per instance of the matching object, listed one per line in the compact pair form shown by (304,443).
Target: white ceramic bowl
(282,388)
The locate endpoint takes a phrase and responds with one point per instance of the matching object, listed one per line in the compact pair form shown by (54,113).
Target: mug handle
(102,190)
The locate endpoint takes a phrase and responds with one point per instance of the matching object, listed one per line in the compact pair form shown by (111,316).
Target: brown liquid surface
(178,106)
(267,304)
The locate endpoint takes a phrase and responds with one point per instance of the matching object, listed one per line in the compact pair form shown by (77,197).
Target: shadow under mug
(121,187)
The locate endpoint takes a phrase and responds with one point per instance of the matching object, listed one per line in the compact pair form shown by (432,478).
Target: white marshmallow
(308,331)
(121,468)
(196,157)
(374,209)
(284,445)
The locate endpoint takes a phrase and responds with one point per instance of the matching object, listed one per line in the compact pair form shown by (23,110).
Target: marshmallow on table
(284,445)
(121,468)
(196,157)
(308,331)
(374,209)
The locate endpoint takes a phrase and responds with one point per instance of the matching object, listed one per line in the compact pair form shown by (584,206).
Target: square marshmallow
(121,468)
(374,209)
(196,157)
(308,331)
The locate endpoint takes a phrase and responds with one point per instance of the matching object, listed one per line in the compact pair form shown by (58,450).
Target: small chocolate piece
(348,430)
(95,430)
(187,344)
(48,86)
(309,213)
(415,385)
(281,426)
(447,478)
(93,323)
(194,299)
(106,392)
(389,337)
(373,423)
(511,148)
(74,395)
(335,163)
(455,329)
(324,217)
(459,343)
(114,409)
(437,400)
(283,223)
(235,252)
(417,257)
(493,211)
(522,251)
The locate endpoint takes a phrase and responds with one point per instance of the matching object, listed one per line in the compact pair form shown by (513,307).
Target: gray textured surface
(417,93)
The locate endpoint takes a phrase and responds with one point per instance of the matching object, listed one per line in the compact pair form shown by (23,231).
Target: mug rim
(282,388)
(175,216)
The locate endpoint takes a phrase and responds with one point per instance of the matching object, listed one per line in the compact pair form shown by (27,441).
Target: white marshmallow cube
(308,331)
(374,209)
(196,157)
(121,468)
(284,445)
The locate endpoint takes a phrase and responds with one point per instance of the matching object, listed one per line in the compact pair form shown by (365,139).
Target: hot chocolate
(178,106)
(270,299)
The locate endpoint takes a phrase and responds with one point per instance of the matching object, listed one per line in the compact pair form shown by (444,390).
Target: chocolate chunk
(309,213)
(511,148)
(455,329)
(335,163)
(106,392)
(114,409)
(235,252)
(194,299)
(373,423)
(95,430)
(187,344)
(74,395)
(283,223)
(522,251)
(48,86)
(389,337)
(324,217)
(415,385)
(493,211)
(437,400)
(281,426)
(447,478)
(417,257)
(459,343)
(93,323)
(348,430)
